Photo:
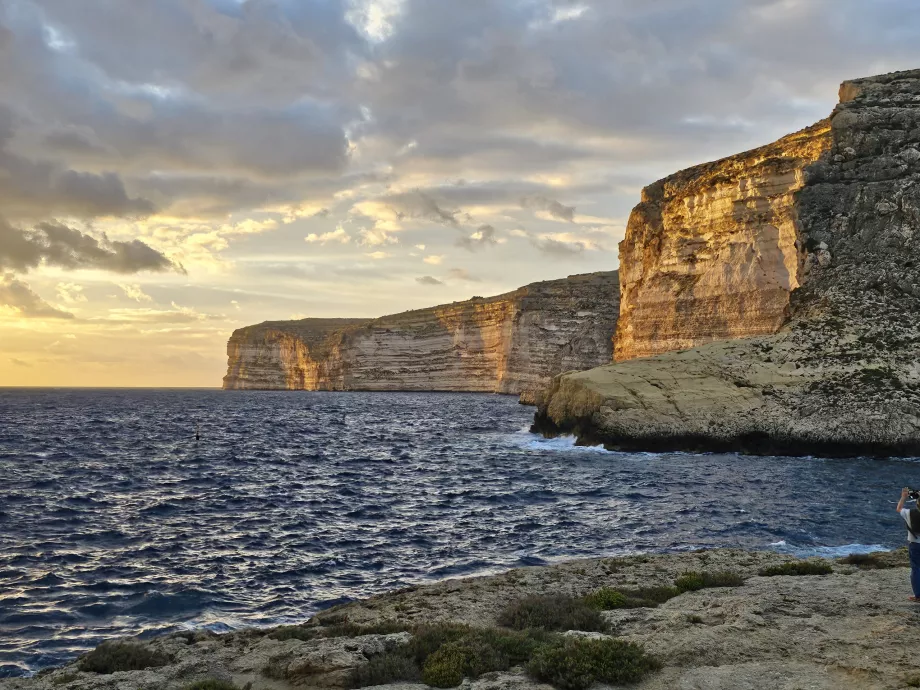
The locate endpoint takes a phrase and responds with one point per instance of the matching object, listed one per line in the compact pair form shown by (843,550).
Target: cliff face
(512,343)
(712,252)
(842,374)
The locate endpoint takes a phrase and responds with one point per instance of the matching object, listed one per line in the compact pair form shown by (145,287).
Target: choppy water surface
(114,521)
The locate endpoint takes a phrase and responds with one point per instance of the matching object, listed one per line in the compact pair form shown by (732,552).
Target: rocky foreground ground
(850,628)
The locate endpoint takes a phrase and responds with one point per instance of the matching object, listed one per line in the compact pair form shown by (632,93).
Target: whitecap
(827,551)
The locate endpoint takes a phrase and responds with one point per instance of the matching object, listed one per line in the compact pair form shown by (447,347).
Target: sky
(171,170)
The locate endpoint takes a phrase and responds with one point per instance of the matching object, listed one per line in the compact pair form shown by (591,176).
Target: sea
(115,520)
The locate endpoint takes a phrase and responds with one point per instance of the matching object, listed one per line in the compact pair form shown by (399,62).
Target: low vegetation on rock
(211,684)
(868,561)
(692,581)
(557,612)
(608,598)
(306,633)
(798,568)
(443,655)
(120,655)
(576,664)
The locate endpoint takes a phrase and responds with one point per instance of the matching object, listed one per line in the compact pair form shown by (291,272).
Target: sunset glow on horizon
(171,170)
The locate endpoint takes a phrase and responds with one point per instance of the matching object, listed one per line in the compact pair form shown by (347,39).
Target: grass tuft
(119,655)
(798,568)
(693,581)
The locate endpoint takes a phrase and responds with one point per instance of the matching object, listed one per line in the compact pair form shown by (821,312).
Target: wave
(561,444)
(812,551)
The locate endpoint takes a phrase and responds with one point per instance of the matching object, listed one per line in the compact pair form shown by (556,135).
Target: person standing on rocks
(912,518)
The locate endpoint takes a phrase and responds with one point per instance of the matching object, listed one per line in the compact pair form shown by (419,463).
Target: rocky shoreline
(695,620)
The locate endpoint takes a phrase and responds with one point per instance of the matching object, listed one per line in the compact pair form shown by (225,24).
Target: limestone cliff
(712,252)
(512,343)
(841,375)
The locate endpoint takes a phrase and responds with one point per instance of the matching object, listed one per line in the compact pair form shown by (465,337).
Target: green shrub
(692,581)
(606,599)
(447,653)
(427,639)
(577,663)
(798,568)
(118,655)
(390,667)
(689,582)
(470,656)
(211,684)
(552,612)
(517,645)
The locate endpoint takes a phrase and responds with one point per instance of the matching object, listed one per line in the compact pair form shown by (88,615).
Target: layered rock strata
(512,343)
(712,252)
(840,377)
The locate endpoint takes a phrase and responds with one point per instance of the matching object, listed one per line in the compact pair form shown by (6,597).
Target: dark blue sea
(115,521)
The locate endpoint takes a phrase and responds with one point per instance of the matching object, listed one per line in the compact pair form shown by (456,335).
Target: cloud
(19,297)
(551,207)
(428,280)
(134,291)
(391,211)
(373,237)
(177,314)
(483,237)
(41,188)
(71,293)
(377,255)
(20,363)
(54,244)
(462,274)
(554,247)
(434,259)
(338,235)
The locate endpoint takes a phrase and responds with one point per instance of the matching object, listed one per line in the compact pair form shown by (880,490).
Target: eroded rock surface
(846,630)
(712,252)
(512,343)
(841,375)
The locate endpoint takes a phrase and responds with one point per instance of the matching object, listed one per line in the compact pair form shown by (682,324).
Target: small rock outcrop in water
(710,254)
(845,629)
(512,343)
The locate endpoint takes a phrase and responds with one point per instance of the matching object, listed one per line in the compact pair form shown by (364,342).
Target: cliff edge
(511,343)
(816,259)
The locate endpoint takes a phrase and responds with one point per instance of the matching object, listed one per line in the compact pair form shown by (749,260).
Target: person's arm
(903,498)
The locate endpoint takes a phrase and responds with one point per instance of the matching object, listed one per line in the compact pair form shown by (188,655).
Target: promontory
(511,343)
(770,301)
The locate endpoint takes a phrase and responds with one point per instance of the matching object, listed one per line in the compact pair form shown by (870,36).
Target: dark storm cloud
(18,295)
(53,244)
(32,188)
